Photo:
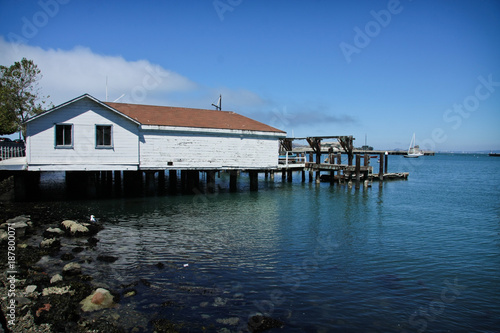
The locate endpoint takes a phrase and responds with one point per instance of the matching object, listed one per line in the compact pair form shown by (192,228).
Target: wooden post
(150,182)
(254,180)
(233,180)
(303,176)
(211,181)
(289,176)
(381,169)
(172,181)
(318,160)
(184,181)
(386,161)
(310,172)
(132,183)
(339,162)
(118,182)
(192,181)
(272,175)
(358,170)
(283,175)
(161,182)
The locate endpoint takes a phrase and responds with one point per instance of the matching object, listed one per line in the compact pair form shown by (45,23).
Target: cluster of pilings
(109,184)
(339,173)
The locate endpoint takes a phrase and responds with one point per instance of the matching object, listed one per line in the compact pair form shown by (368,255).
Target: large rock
(51,243)
(75,228)
(72,268)
(53,232)
(56,278)
(3,236)
(20,223)
(98,300)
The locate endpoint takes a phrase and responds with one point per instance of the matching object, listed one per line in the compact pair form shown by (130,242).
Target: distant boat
(494,154)
(413,150)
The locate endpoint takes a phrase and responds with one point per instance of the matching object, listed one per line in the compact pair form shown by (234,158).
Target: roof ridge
(177,116)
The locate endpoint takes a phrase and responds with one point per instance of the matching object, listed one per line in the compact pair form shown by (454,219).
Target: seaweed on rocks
(57,310)
(166,326)
(259,323)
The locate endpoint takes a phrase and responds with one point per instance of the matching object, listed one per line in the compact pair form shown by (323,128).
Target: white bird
(93,219)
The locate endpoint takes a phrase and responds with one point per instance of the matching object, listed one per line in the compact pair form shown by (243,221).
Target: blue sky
(381,68)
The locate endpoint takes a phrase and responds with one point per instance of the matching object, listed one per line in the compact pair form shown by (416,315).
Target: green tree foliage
(19,98)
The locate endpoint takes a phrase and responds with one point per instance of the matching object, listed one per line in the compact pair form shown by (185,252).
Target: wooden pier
(318,166)
(353,171)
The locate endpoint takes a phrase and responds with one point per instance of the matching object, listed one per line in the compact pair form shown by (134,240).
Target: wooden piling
(161,182)
(233,180)
(172,181)
(358,170)
(310,172)
(117,178)
(211,181)
(381,169)
(254,180)
(289,175)
(132,182)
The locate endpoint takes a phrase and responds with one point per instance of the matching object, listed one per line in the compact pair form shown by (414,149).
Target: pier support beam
(210,181)
(132,183)
(311,172)
(117,178)
(358,170)
(233,181)
(381,169)
(386,161)
(161,182)
(254,180)
(289,176)
(150,182)
(172,181)
(190,181)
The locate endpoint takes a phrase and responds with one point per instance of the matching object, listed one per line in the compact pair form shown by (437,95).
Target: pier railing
(289,157)
(7,152)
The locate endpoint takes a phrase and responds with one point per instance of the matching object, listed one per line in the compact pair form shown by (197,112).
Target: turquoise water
(421,255)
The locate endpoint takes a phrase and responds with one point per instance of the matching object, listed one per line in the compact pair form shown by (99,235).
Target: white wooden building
(86,134)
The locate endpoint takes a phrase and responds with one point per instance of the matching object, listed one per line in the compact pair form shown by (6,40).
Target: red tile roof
(187,117)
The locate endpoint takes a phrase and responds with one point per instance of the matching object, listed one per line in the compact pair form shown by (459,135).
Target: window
(103,136)
(64,135)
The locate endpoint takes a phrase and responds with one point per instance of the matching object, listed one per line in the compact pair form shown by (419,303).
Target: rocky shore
(44,287)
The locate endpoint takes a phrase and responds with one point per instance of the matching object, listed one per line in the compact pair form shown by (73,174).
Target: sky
(380,70)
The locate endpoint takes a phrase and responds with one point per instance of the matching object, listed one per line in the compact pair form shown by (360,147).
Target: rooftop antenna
(219,104)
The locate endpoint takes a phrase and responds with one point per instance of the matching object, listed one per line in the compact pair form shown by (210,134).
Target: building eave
(178,129)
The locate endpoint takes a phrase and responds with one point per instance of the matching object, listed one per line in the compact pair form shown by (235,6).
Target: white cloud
(71,73)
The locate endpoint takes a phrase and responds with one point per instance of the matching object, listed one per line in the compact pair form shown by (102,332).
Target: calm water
(411,256)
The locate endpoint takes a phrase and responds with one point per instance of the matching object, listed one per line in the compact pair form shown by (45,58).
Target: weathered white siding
(207,150)
(84,114)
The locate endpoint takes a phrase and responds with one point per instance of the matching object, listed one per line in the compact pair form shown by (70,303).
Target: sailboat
(413,150)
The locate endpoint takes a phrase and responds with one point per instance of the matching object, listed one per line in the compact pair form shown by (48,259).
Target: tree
(19,98)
